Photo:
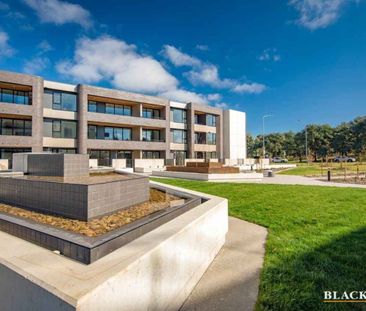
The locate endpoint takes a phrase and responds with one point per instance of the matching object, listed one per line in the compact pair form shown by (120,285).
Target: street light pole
(263,133)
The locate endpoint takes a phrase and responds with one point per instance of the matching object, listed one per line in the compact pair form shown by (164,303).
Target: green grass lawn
(316,240)
(319,169)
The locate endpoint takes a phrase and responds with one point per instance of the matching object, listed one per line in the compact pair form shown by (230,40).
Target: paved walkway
(231,282)
(301,180)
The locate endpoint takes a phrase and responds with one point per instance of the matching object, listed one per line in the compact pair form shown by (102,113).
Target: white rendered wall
(235,145)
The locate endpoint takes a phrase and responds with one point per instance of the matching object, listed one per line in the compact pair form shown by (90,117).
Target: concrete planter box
(89,249)
(71,198)
(157,271)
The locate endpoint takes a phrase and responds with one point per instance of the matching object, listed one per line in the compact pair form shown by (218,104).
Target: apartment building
(39,115)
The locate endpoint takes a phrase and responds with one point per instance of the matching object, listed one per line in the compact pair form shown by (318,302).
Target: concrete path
(301,180)
(231,282)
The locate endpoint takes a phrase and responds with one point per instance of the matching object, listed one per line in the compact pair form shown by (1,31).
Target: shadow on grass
(298,282)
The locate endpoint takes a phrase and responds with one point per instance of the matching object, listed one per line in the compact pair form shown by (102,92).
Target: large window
(109,133)
(100,107)
(15,127)
(151,154)
(59,128)
(210,120)
(178,115)
(151,113)
(15,97)
(211,138)
(200,138)
(60,100)
(179,136)
(203,138)
(151,135)
(205,119)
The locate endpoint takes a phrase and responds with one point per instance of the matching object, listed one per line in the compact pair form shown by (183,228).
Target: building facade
(39,115)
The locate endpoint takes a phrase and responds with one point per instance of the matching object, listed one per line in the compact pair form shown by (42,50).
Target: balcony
(123,119)
(126,144)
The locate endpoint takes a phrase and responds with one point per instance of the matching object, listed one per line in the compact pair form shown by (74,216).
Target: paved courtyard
(231,282)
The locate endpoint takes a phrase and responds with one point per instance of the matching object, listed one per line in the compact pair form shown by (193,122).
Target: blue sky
(303,61)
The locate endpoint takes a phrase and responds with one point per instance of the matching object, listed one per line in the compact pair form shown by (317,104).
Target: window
(15,97)
(60,100)
(178,115)
(109,108)
(68,129)
(211,138)
(7,126)
(151,154)
(56,128)
(92,132)
(127,134)
(118,134)
(7,96)
(127,111)
(118,109)
(150,135)
(101,107)
(211,120)
(21,98)
(200,119)
(109,133)
(59,128)
(92,106)
(151,113)
(17,127)
(200,138)
(179,136)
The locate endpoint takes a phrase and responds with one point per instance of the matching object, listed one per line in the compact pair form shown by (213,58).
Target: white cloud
(250,88)
(270,55)
(110,59)
(222,105)
(44,46)
(214,97)
(203,73)
(5,49)
(185,96)
(115,61)
(315,14)
(36,65)
(60,12)
(179,58)
(202,47)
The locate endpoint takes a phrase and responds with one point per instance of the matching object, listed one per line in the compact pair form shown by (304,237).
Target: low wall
(149,165)
(157,271)
(93,163)
(4,164)
(210,177)
(119,163)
